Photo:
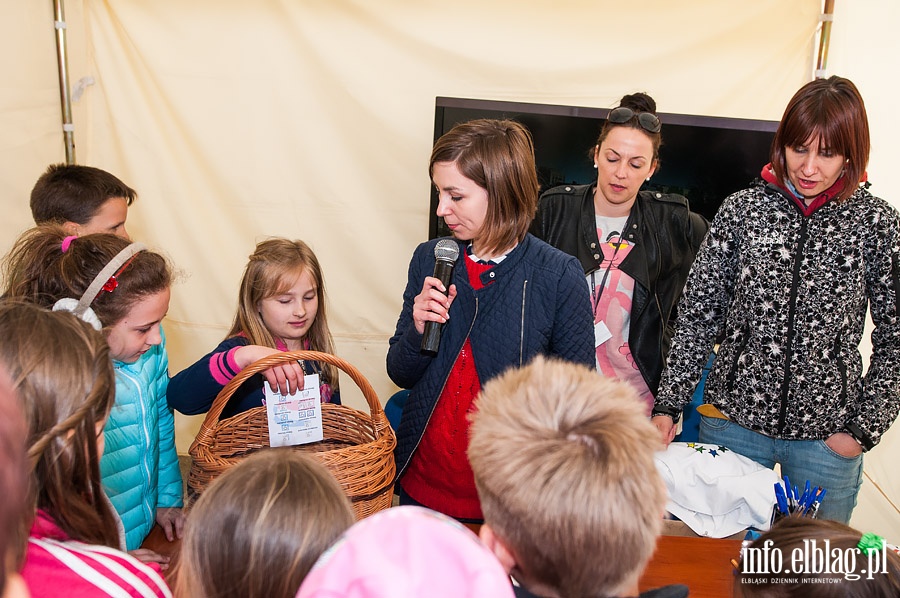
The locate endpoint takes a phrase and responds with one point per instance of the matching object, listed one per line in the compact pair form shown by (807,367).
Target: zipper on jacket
(145,467)
(433,407)
(522,324)
(792,312)
(895,278)
(732,374)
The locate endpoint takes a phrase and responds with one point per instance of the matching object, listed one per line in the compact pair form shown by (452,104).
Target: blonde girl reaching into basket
(281,307)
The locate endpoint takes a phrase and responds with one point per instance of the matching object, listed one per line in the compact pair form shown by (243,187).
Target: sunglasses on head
(648,121)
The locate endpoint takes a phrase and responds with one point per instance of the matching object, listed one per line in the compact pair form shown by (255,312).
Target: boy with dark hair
(83,199)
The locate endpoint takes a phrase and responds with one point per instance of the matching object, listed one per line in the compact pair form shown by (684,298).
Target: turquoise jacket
(139,466)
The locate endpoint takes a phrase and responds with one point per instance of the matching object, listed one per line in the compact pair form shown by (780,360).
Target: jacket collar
(43,526)
(768,175)
(500,270)
(136,366)
(635,264)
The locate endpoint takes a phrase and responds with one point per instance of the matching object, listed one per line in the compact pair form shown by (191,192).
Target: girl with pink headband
(122,289)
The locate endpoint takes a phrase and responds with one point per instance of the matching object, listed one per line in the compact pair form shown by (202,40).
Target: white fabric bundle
(716,491)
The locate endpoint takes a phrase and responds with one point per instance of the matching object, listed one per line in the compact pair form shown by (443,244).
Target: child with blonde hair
(61,369)
(281,307)
(260,526)
(563,463)
(122,289)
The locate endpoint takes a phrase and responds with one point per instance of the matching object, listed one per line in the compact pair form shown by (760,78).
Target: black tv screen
(704,158)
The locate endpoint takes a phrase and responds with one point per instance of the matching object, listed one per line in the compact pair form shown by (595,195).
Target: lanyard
(595,294)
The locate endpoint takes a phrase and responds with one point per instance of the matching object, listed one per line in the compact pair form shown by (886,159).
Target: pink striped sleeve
(76,570)
(223,366)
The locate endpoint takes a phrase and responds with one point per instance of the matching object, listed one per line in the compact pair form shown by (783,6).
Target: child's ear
(498,547)
(70,227)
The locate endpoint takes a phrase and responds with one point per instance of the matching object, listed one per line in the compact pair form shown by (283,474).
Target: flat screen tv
(704,158)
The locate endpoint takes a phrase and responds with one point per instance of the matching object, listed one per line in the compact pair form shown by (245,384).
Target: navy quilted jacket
(536,303)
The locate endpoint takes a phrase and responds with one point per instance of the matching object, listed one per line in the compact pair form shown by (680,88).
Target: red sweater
(439,475)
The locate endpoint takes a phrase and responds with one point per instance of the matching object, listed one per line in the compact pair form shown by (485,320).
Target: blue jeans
(800,460)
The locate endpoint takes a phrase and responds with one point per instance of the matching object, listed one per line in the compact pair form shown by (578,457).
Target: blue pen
(781,499)
(804,498)
(809,497)
(811,500)
(787,489)
(818,501)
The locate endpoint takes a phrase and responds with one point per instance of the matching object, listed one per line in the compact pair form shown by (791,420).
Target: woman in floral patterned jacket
(784,277)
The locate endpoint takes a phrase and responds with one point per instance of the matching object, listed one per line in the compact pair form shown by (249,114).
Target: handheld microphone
(445,253)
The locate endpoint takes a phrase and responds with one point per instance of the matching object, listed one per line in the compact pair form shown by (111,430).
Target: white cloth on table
(715,491)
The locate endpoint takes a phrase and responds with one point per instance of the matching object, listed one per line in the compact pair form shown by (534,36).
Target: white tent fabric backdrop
(313,119)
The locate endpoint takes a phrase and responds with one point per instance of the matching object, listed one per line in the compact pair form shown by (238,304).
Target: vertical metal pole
(59,23)
(824,38)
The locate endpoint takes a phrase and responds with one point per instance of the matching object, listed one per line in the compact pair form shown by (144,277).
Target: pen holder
(789,502)
(358,447)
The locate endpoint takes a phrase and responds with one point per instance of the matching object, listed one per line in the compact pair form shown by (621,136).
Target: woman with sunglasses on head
(785,277)
(636,247)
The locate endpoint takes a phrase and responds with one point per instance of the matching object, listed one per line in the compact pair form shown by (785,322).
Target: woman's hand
(171,520)
(666,428)
(431,305)
(285,378)
(145,555)
(844,445)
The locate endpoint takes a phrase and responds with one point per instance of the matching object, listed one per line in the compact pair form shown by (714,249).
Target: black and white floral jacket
(788,295)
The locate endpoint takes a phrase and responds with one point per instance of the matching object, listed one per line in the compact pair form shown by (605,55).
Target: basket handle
(212,416)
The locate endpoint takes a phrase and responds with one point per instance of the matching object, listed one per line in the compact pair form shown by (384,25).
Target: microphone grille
(447,250)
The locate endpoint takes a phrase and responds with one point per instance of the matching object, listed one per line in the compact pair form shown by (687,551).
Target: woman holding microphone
(510,297)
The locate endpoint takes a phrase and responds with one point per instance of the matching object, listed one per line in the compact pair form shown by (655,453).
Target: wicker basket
(357,447)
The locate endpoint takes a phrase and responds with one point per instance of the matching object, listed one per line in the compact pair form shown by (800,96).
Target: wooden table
(157,542)
(702,564)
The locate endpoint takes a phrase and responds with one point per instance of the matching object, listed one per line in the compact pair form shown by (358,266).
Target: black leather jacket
(666,235)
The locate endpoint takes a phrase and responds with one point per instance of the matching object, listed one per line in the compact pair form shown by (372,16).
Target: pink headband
(66,242)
